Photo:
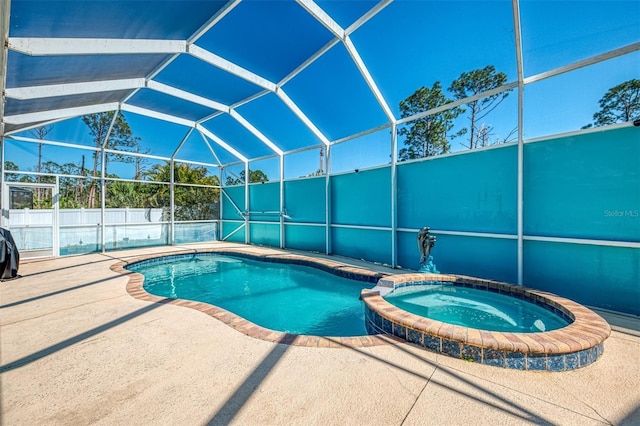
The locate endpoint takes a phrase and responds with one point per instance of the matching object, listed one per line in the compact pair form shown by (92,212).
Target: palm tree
(191,202)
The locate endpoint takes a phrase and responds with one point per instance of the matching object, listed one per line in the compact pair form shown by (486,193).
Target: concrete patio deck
(76,348)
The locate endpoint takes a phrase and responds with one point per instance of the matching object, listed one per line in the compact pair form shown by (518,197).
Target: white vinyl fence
(79,230)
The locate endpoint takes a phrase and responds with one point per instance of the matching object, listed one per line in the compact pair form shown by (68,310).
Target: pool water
(475,308)
(282,297)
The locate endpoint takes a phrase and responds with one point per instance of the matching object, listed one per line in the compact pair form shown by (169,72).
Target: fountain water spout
(425,245)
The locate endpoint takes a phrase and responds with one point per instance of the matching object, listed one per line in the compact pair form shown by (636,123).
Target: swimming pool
(361,278)
(575,345)
(278,296)
(475,308)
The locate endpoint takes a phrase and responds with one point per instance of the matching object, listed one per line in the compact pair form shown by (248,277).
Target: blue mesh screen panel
(233,232)
(310,238)
(584,186)
(474,192)
(371,245)
(305,200)
(229,211)
(362,198)
(599,276)
(264,201)
(265,234)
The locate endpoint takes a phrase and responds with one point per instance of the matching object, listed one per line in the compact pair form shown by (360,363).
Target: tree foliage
(621,103)
(72,190)
(191,202)
(13,167)
(196,194)
(255,176)
(431,135)
(120,138)
(428,135)
(472,83)
(40,133)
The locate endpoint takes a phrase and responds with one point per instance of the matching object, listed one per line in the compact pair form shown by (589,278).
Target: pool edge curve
(577,345)
(135,289)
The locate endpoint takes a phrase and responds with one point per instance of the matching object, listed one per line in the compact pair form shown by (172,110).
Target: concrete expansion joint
(597,416)
(415,401)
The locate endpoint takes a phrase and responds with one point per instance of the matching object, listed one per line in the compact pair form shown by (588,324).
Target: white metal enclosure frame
(190,46)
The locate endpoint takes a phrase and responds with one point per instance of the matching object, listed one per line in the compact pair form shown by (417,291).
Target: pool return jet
(425,245)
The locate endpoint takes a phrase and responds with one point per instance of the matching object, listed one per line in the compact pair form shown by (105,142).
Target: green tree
(71,188)
(191,202)
(140,163)
(621,103)
(472,83)
(120,138)
(428,135)
(255,176)
(40,133)
(124,194)
(13,167)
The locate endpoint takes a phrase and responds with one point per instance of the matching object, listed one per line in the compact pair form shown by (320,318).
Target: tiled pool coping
(576,345)
(135,289)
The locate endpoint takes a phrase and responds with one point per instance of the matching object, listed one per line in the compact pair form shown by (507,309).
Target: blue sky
(406,46)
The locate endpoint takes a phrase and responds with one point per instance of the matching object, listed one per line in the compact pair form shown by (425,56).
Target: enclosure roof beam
(234,106)
(93,46)
(54,90)
(353,52)
(53,143)
(301,115)
(324,49)
(182,142)
(630,48)
(110,151)
(206,141)
(33,126)
(195,36)
(222,143)
(230,67)
(5,7)
(370,14)
(160,116)
(113,122)
(322,17)
(175,92)
(257,133)
(326,20)
(224,10)
(67,89)
(35,117)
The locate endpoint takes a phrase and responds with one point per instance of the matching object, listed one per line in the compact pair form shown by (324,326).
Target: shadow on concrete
(516,410)
(80,337)
(632,419)
(77,265)
(234,404)
(620,322)
(54,293)
(106,257)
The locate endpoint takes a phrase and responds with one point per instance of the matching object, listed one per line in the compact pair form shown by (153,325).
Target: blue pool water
(475,308)
(283,297)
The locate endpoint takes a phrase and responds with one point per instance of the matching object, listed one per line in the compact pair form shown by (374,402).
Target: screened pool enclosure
(340,127)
